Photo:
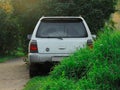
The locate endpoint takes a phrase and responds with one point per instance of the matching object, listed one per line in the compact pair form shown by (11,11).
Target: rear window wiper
(61,38)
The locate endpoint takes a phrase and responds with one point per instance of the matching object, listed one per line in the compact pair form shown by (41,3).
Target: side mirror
(94,37)
(29,36)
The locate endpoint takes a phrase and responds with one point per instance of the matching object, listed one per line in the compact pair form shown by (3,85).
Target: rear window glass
(66,28)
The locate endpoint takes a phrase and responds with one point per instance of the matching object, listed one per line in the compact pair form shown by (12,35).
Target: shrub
(105,70)
(47,83)
(9,33)
(96,69)
(74,67)
(101,65)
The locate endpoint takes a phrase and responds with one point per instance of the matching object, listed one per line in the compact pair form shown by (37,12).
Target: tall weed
(88,69)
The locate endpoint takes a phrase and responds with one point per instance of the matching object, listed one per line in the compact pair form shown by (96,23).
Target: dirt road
(13,75)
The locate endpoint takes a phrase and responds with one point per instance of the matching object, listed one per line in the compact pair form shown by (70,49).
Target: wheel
(33,70)
(39,69)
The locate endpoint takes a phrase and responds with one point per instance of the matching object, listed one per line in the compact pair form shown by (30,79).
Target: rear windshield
(65,28)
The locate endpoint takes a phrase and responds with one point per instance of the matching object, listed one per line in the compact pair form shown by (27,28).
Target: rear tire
(33,70)
(42,69)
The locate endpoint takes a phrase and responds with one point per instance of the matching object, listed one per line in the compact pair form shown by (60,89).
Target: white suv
(55,38)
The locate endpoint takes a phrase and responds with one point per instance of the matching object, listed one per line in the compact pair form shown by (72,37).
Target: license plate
(57,58)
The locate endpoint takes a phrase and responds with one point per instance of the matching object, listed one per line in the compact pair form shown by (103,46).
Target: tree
(9,33)
(95,12)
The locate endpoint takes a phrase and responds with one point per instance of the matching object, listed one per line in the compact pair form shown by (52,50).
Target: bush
(105,70)
(47,83)
(97,68)
(58,84)
(101,65)
(94,69)
(9,33)
(74,67)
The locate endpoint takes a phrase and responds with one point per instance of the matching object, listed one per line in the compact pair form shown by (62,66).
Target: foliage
(6,6)
(101,67)
(9,33)
(47,83)
(24,14)
(3,59)
(105,70)
(94,12)
(74,67)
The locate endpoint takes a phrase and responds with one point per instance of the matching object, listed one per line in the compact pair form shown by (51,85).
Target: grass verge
(86,69)
(5,58)
(16,54)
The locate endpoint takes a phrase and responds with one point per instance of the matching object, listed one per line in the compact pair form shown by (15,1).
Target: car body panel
(56,47)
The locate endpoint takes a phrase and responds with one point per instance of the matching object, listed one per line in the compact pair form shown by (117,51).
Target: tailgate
(56,46)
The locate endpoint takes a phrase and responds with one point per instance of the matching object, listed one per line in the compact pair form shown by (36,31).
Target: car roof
(69,17)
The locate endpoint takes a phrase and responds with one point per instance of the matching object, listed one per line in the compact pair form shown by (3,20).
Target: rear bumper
(41,58)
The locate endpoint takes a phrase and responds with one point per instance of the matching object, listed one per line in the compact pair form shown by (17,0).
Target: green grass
(86,69)
(48,83)
(5,58)
(15,54)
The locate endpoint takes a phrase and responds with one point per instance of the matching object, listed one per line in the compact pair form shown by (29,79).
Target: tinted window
(61,28)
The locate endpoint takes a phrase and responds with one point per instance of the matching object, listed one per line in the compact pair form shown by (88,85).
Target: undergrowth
(94,69)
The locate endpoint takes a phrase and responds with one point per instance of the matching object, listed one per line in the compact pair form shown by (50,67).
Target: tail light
(33,47)
(90,43)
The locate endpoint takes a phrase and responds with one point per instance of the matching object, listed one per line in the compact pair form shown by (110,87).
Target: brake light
(33,47)
(90,43)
